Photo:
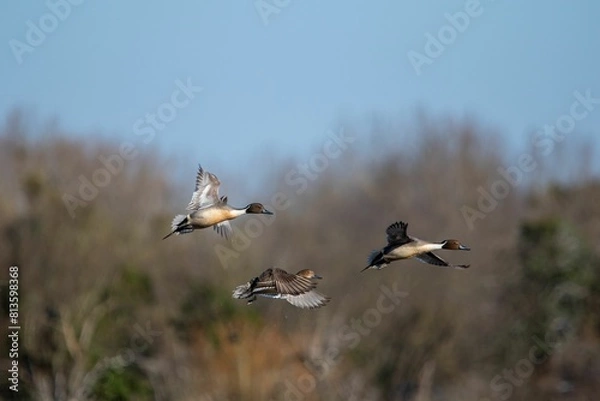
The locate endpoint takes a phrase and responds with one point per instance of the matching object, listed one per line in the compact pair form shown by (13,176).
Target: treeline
(111,312)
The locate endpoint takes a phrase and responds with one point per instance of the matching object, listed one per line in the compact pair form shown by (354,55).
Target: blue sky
(282,85)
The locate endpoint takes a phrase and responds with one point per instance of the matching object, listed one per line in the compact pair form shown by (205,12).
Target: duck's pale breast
(208,217)
(403,252)
(413,249)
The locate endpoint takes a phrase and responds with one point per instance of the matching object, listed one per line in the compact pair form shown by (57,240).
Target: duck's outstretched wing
(396,233)
(433,259)
(291,284)
(224,229)
(308,300)
(206,192)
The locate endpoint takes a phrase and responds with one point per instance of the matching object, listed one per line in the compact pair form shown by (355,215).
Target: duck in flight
(298,289)
(207,209)
(401,246)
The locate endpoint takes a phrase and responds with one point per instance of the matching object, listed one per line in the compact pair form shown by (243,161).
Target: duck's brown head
(454,245)
(308,274)
(257,208)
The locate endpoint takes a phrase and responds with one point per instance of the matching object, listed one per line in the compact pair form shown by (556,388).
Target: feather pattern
(206,192)
(297,289)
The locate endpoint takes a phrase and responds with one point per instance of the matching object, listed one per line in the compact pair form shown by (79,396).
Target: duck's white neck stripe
(428,247)
(238,212)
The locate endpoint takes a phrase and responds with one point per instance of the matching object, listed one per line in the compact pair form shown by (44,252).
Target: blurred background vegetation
(111,312)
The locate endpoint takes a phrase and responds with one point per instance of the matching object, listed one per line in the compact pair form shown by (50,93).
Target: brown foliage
(89,283)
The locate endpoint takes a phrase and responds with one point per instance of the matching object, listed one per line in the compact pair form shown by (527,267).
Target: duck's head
(454,245)
(257,208)
(308,274)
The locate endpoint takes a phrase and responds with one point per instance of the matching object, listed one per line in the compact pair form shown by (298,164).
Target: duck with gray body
(207,209)
(402,246)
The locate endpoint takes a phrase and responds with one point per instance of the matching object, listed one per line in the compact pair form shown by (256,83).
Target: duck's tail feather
(243,291)
(375,260)
(179,225)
